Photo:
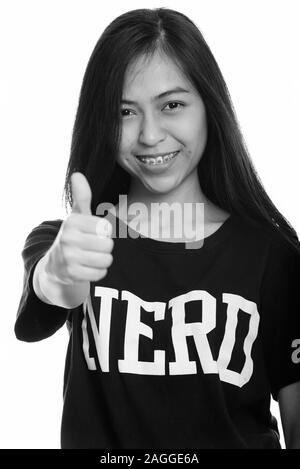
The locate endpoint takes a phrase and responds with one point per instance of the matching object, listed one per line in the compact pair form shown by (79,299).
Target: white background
(45,47)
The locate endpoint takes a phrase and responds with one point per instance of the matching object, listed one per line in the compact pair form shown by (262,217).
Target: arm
(37,320)
(289,405)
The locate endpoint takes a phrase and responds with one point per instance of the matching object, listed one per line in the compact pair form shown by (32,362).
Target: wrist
(48,287)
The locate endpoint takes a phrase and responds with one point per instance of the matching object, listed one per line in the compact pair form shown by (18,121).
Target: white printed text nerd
(180,331)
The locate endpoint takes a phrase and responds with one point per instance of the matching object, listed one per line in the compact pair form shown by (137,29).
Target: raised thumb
(81,194)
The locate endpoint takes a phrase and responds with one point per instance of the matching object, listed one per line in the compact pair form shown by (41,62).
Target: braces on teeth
(159,159)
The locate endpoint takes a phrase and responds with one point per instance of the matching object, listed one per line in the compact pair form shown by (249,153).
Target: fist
(82,250)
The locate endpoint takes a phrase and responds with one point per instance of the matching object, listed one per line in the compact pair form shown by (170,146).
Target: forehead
(153,72)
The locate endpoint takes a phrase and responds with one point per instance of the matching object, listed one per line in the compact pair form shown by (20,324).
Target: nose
(151,131)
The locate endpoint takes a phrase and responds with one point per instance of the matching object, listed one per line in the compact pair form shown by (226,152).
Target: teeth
(159,159)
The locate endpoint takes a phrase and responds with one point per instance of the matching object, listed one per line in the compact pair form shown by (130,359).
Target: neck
(195,214)
(188,192)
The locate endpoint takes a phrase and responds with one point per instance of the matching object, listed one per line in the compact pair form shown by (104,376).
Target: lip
(155,155)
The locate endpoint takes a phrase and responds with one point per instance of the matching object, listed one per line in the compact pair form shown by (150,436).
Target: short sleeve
(280,315)
(37,320)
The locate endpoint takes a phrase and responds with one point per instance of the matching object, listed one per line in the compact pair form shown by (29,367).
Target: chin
(160,188)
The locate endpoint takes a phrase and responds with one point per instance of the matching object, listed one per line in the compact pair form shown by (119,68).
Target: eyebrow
(178,89)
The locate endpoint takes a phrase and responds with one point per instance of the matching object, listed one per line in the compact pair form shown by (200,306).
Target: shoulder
(51,223)
(46,230)
(259,232)
(48,225)
(265,244)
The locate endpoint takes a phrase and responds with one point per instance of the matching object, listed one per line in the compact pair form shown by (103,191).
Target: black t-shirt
(175,348)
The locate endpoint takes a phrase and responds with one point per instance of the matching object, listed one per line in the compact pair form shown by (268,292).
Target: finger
(91,242)
(91,224)
(96,260)
(104,228)
(81,194)
(84,273)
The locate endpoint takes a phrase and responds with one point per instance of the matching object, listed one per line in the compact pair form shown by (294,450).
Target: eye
(125,112)
(174,106)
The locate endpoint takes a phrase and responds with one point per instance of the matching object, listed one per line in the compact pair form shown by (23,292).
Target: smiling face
(164,129)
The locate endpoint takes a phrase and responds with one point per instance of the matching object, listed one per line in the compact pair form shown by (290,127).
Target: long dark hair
(226,173)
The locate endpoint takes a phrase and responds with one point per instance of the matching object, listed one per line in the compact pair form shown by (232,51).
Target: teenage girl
(173,344)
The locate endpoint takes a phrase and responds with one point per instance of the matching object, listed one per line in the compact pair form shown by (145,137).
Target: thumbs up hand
(82,249)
